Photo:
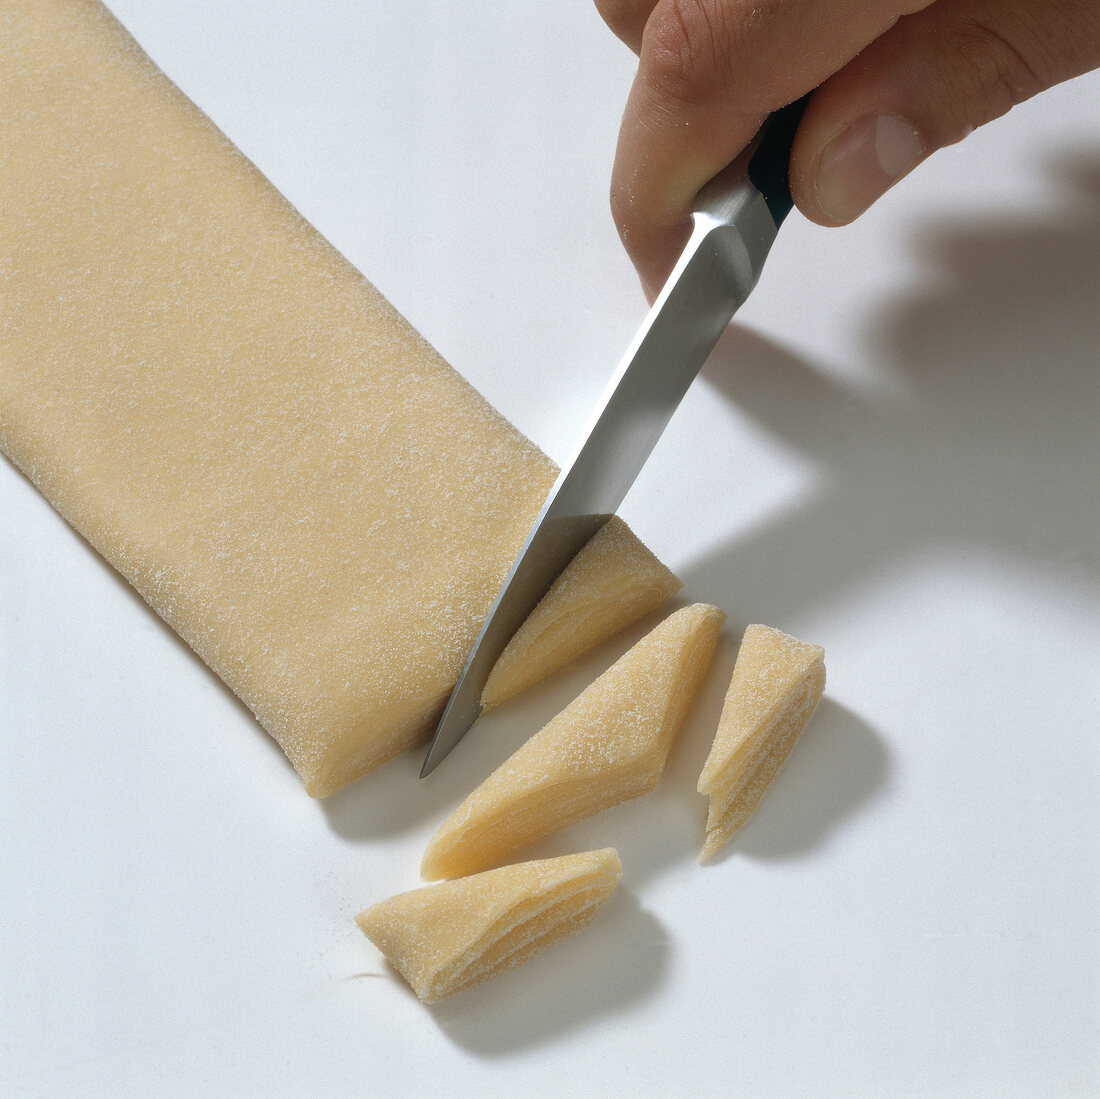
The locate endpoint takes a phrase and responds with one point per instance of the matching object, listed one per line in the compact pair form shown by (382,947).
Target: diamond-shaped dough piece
(776,685)
(447,937)
(230,413)
(608,745)
(609,585)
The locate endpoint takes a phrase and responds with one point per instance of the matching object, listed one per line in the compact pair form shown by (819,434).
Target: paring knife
(735,219)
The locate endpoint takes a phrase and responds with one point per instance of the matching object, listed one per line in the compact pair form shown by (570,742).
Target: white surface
(894,453)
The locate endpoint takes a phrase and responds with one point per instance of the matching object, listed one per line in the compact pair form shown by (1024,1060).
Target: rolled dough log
(230,413)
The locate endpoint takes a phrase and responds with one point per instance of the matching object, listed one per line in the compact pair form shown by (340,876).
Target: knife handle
(751,195)
(769,165)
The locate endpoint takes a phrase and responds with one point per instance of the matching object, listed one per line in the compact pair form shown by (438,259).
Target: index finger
(710,72)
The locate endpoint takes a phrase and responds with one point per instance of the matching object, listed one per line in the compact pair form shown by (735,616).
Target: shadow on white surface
(986,438)
(393,800)
(839,764)
(388,801)
(620,959)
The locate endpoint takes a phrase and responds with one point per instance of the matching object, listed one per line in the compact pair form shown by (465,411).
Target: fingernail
(863,162)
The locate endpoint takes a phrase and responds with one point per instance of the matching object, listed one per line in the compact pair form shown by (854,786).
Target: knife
(735,218)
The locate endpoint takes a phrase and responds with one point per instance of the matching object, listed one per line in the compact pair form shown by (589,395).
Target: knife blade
(735,219)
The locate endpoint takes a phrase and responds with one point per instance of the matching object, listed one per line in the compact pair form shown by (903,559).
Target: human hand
(895,80)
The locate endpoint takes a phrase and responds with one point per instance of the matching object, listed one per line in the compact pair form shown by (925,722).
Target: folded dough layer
(608,745)
(447,937)
(776,685)
(230,413)
(610,584)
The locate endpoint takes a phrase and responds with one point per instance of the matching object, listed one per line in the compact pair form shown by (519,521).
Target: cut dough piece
(444,938)
(230,414)
(609,585)
(608,745)
(777,683)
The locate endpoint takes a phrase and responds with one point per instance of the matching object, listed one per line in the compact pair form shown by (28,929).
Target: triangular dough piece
(608,745)
(447,937)
(611,583)
(776,685)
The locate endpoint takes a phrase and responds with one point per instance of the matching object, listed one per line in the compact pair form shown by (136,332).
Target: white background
(893,453)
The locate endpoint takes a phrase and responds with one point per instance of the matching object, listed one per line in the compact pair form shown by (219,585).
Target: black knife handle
(769,166)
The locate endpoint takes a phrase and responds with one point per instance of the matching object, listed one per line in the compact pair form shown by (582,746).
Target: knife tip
(430,763)
(463,709)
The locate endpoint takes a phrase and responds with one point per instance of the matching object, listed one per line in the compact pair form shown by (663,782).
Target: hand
(895,80)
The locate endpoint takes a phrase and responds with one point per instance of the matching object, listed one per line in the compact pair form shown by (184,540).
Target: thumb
(926,83)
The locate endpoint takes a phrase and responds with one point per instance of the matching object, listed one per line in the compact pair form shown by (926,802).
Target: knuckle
(1055,40)
(688,46)
(619,15)
(1004,68)
(619,204)
(623,212)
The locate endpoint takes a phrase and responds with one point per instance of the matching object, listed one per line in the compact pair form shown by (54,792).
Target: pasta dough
(230,414)
(608,745)
(447,937)
(610,584)
(776,685)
